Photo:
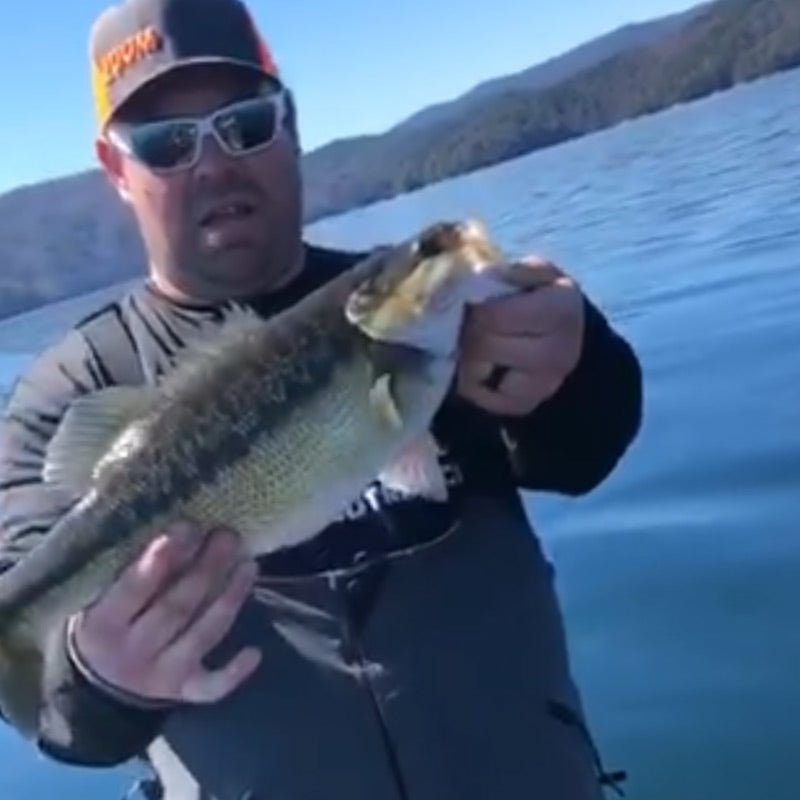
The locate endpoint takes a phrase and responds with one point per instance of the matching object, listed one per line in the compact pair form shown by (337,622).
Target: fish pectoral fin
(89,427)
(382,402)
(21,678)
(417,471)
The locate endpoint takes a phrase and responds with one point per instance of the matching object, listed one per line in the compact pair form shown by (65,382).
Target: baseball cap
(136,41)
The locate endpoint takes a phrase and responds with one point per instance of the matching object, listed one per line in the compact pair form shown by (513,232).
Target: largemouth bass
(271,427)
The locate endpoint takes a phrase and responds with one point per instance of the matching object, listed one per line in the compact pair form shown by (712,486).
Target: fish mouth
(418,295)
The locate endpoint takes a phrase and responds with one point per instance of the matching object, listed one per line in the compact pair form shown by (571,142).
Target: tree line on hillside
(72,235)
(732,42)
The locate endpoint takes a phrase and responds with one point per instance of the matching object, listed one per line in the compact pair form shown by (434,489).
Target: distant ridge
(71,235)
(554,70)
(708,49)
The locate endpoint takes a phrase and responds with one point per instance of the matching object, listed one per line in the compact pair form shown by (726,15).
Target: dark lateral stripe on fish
(308,372)
(235,433)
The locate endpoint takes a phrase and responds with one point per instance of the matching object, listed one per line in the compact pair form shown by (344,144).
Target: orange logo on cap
(128,52)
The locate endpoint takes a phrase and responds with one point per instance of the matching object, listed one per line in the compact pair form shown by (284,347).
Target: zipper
(353,653)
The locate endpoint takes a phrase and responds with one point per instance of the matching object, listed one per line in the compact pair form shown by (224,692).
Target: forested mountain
(68,236)
(554,70)
(727,42)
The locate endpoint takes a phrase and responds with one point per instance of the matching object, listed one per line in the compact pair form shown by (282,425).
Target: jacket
(412,651)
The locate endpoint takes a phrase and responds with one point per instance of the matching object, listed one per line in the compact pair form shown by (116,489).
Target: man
(411,651)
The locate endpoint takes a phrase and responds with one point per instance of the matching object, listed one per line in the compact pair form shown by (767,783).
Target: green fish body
(270,427)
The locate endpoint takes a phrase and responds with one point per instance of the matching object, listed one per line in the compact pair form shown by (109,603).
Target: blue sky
(356,66)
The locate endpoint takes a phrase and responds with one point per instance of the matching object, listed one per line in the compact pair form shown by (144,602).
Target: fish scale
(271,427)
(330,447)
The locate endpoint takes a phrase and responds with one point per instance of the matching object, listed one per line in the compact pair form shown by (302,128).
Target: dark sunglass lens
(164,145)
(248,125)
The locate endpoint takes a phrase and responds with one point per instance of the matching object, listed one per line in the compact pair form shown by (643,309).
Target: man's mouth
(227,212)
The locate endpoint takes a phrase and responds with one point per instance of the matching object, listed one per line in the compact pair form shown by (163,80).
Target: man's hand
(526,344)
(149,632)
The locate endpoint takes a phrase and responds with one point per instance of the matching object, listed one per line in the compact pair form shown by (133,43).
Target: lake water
(680,576)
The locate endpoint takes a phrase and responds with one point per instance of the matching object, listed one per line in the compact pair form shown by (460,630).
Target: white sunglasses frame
(204,126)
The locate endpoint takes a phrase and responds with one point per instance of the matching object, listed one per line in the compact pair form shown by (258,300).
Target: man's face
(221,225)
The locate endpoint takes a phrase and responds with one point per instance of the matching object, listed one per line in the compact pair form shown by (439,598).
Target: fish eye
(439,239)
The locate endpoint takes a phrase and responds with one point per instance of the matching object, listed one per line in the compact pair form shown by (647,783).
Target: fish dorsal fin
(87,431)
(211,342)
(236,322)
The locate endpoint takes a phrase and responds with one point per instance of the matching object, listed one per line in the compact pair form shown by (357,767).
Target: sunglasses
(170,145)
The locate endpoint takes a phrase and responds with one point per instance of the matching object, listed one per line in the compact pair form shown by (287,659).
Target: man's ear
(112,165)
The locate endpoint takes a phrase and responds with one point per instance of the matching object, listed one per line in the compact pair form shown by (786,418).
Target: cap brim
(198,61)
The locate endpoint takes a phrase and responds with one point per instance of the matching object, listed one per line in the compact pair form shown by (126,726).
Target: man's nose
(213,160)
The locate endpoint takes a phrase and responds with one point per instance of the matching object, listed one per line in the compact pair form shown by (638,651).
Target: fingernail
(225,537)
(249,570)
(183,533)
